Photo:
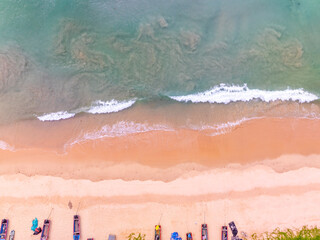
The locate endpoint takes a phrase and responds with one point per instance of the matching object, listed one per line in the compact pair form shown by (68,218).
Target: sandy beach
(173,112)
(256,197)
(217,179)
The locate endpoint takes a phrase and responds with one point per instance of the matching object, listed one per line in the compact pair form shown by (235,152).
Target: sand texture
(256,196)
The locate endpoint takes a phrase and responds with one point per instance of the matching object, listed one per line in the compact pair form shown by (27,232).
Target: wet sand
(181,151)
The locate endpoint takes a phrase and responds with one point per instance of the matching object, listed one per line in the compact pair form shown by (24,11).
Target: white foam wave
(56,116)
(97,107)
(124,128)
(5,146)
(219,129)
(119,129)
(233,93)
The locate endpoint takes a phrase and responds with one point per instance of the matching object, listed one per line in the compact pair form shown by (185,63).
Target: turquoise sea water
(59,55)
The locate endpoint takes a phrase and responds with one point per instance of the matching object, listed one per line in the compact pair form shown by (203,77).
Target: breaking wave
(232,93)
(97,107)
(56,116)
(108,107)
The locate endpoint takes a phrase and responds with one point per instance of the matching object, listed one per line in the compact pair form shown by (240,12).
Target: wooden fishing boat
(224,233)
(45,230)
(233,228)
(112,237)
(204,232)
(157,232)
(76,227)
(11,236)
(189,236)
(4,229)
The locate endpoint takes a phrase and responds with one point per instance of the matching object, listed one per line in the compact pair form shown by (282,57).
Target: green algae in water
(76,52)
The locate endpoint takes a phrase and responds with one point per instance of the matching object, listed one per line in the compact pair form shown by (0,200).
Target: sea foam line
(124,128)
(97,107)
(222,128)
(119,129)
(5,146)
(233,93)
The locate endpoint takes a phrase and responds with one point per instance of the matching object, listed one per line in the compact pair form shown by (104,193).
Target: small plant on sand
(297,234)
(133,236)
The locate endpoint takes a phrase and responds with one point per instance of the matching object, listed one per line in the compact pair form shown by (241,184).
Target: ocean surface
(135,66)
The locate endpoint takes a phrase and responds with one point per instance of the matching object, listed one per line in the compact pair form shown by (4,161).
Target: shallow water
(61,59)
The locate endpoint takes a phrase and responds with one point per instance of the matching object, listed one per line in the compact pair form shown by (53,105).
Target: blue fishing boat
(189,236)
(76,227)
(175,236)
(4,229)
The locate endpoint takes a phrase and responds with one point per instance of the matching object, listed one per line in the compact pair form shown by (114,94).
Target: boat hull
(4,229)
(45,230)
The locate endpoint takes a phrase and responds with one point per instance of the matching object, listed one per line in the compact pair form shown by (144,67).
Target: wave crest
(56,116)
(234,93)
(98,107)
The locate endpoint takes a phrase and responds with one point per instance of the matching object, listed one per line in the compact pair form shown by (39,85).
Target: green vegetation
(133,236)
(305,233)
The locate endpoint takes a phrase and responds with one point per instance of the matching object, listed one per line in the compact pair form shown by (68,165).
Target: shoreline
(277,178)
(165,155)
(177,113)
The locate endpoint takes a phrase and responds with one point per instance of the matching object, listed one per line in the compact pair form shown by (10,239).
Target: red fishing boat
(157,232)
(224,233)
(45,230)
(189,236)
(204,232)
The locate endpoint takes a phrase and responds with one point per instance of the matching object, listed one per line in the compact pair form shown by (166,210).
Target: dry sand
(255,196)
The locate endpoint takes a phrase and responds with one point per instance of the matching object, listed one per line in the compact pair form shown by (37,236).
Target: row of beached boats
(5,226)
(157,232)
(204,233)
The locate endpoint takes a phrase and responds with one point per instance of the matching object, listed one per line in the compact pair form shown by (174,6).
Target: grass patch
(134,236)
(305,233)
